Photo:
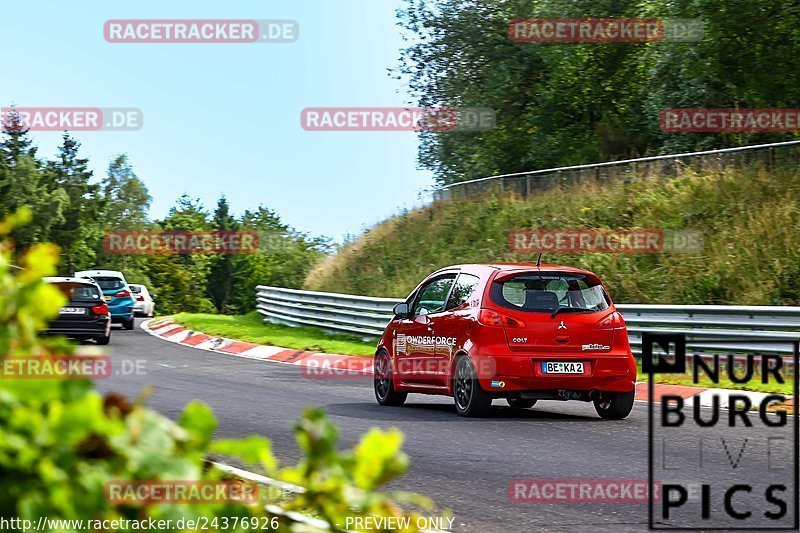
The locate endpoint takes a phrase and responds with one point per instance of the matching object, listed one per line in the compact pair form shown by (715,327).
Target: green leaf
(200,422)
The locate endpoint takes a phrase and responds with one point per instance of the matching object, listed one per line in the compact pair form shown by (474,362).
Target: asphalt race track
(465,465)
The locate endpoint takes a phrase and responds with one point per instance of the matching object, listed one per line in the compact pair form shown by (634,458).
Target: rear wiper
(571,310)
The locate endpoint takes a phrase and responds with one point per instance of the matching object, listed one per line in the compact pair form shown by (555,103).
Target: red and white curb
(351,365)
(703,395)
(168,330)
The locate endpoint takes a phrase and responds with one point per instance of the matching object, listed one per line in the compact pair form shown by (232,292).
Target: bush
(61,441)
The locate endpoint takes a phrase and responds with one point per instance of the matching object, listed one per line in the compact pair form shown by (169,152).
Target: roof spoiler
(502,277)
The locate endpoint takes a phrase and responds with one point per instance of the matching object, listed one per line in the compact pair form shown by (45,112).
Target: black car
(86,315)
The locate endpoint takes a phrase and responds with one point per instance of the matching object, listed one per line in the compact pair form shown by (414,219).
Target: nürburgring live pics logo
(722,469)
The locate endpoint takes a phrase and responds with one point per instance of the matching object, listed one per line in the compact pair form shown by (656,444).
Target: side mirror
(401,310)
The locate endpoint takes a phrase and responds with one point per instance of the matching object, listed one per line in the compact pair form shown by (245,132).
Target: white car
(143,302)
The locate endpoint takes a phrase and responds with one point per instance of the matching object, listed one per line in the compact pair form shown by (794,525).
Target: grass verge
(755,207)
(251,328)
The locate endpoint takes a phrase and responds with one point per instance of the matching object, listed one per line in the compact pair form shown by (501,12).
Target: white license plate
(561,367)
(72,311)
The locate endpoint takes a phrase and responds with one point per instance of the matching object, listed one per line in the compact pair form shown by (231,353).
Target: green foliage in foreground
(750,222)
(61,441)
(251,328)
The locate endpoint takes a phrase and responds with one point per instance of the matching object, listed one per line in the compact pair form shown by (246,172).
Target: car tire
(519,403)
(385,392)
(127,324)
(470,399)
(103,341)
(615,405)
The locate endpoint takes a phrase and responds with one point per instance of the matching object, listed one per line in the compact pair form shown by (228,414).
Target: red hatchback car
(515,331)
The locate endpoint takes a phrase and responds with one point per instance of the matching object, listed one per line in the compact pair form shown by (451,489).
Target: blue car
(116,293)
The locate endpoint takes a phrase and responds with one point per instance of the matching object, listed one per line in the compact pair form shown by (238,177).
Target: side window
(463,289)
(431,297)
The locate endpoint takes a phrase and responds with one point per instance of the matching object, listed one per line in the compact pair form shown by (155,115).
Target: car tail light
(487,317)
(614,320)
(140,298)
(101,309)
(122,294)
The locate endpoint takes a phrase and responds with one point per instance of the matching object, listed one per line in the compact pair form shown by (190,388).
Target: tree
(570,103)
(284,258)
(222,269)
(182,279)
(23,186)
(81,228)
(126,199)
(125,207)
(16,142)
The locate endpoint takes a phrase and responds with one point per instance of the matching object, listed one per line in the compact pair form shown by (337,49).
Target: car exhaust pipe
(583,396)
(568,394)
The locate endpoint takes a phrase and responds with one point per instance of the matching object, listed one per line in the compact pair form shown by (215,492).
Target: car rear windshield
(109,283)
(548,292)
(135,288)
(80,292)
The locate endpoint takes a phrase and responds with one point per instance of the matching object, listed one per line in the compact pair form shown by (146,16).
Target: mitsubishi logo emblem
(562,326)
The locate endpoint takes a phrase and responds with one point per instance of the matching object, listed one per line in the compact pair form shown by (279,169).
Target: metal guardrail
(708,328)
(311,524)
(343,313)
(304,522)
(526,183)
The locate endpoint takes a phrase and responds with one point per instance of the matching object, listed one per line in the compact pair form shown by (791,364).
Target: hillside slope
(750,222)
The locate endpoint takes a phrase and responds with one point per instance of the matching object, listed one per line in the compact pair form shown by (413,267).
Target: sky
(225,118)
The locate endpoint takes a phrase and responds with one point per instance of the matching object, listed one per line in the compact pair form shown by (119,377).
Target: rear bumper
(121,313)
(143,309)
(75,328)
(511,374)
